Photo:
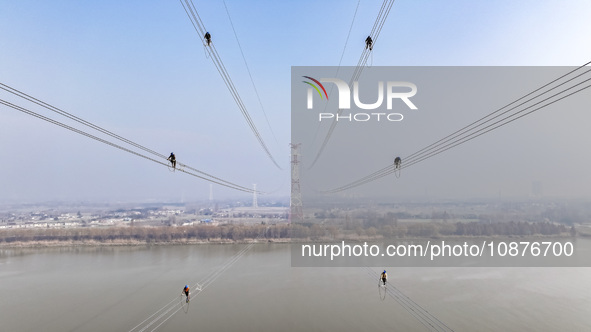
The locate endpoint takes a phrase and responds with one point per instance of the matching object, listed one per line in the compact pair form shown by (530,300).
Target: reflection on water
(116,288)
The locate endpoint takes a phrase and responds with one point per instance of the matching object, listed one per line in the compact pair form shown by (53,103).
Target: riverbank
(279,233)
(182,242)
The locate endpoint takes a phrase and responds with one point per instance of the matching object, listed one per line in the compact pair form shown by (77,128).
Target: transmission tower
(296,214)
(254,197)
(211,196)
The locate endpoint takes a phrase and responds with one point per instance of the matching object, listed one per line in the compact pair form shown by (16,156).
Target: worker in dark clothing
(186,291)
(172,160)
(207,38)
(368,43)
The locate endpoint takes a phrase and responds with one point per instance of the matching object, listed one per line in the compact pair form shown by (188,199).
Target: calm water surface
(115,289)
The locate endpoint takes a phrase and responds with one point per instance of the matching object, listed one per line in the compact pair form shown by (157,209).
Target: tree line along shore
(305,231)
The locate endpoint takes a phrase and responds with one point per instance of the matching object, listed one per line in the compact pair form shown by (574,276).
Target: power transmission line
(210,47)
(200,287)
(421,314)
(256,91)
(338,67)
(59,111)
(374,34)
(83,133)
(479,127)
(476,123)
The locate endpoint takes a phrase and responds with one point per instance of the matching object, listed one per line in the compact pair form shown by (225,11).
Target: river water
(119,289)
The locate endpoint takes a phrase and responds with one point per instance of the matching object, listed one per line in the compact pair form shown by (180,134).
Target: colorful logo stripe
(319,84)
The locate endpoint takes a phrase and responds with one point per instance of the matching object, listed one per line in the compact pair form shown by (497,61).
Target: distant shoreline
(136,243)
(127,243)
(278,233)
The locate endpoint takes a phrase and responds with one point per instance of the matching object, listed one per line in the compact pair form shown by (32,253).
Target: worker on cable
(207,38)
(368,43)
(397,162)
(384,277)
(172,159)
(186,291)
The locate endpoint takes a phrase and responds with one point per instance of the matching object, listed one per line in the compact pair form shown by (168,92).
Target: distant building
(537,189)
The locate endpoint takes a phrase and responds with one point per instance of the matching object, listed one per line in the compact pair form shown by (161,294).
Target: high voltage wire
(338,67)
(348,35)
(468,127)
(199,26)
(34,100)
(256,91)
(197,23)
(480,132)
(209,280)
(211,178)
(167,309)
(478,128)
(374,34)
(29,112)
(424,317)
(102,130)
(391,168)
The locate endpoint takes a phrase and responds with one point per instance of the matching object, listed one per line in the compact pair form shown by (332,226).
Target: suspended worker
(368,43)
(172,159)
(207,38)
(384,277)
(186,291)
(397,162)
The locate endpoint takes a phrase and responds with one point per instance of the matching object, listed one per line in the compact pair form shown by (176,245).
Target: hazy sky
(138,69)
(545,147)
